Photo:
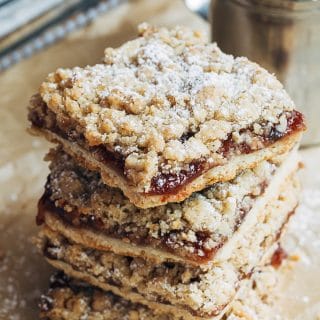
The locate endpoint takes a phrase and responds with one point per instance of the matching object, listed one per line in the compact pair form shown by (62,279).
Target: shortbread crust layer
(184,289)
(160,129)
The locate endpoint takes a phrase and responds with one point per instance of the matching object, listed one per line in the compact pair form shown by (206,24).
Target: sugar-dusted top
(166,99)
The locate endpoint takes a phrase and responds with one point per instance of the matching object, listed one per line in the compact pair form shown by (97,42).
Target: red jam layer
(163,183)
(278,257)
(167,242)
(171,183)
(295,123)
(168,183)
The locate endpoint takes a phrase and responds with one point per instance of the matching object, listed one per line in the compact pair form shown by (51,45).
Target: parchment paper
(23,273)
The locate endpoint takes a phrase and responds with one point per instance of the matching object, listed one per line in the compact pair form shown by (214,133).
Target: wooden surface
(23,273)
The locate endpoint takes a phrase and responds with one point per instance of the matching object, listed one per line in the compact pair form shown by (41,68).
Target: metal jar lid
(285,5)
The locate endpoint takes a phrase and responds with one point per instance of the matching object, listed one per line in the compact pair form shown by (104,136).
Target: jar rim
(282,6)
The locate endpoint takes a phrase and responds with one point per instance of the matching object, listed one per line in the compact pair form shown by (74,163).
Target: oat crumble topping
(167,99)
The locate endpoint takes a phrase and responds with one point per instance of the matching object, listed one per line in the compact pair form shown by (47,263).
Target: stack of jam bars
(172,182)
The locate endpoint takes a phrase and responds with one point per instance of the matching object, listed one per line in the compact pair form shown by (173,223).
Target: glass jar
(284,37)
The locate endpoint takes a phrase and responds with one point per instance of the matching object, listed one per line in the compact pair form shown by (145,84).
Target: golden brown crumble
(71,299)
(167,99)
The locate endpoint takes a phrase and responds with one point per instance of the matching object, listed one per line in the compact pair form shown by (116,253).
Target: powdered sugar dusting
(160,87)
(21,269)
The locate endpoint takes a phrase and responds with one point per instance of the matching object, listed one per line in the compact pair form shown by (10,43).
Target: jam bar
(166,115)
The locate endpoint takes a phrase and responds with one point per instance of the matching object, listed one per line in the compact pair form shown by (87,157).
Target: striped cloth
(28,26)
